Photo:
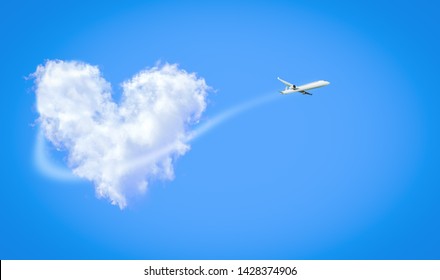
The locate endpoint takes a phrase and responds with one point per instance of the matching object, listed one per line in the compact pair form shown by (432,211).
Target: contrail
(46,165)
(201,130)
(51,169)
(229,113)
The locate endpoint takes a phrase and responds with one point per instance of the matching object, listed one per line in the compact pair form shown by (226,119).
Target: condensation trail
(46,165)
(201,130)
(51,169)
(229,113)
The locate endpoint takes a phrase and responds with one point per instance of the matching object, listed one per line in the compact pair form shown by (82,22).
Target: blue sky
(348,173)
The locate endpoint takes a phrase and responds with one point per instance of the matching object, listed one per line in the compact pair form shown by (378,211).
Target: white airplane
(290,88)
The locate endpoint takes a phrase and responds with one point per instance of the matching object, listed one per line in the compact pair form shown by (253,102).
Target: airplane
(290,88)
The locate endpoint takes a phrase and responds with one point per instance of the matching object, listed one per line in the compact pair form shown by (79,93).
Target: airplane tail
(288,85)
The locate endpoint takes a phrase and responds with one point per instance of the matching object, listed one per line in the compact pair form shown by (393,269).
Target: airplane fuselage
(304,88)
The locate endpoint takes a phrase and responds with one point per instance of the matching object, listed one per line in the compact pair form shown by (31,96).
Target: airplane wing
(305,92)
(286,83)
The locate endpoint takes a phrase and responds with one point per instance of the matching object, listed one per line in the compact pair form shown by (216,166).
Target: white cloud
(103,139)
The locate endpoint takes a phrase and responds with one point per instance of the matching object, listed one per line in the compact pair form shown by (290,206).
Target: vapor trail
(229,113)
(202,129)
(51,169)
(46,165)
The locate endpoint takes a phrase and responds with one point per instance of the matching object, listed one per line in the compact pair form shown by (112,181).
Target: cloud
(103,139)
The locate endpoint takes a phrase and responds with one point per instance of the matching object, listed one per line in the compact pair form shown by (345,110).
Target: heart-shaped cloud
(104,139)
